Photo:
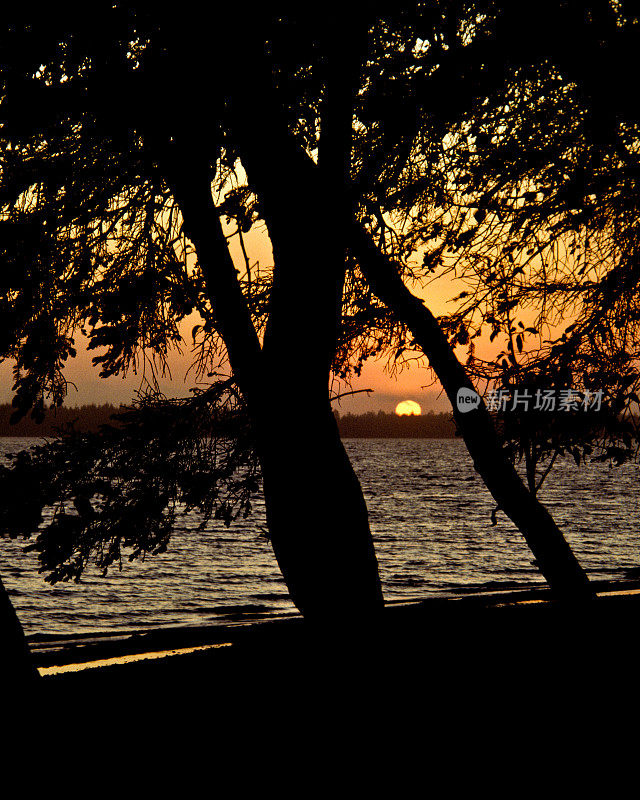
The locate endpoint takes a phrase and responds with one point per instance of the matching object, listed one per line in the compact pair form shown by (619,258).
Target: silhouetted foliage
(448,130)
(117,492)
(522,184)
(541,438)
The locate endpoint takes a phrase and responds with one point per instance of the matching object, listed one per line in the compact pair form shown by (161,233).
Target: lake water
(430,516)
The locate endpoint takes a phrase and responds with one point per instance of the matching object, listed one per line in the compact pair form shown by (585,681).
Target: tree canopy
(470,133)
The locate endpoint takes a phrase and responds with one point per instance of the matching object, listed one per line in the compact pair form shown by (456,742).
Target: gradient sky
(412,383)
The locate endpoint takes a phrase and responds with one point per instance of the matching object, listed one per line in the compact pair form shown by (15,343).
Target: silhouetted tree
(116,141)
(521,183)
(110,226)
(552,190)
(432,204)
(16,663)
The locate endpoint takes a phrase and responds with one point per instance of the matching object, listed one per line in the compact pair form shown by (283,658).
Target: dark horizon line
(370,424)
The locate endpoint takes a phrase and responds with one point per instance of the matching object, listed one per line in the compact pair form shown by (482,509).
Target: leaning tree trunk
(553,554)
(15,662)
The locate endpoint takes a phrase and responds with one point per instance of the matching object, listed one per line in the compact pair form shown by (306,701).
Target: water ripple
(430,516)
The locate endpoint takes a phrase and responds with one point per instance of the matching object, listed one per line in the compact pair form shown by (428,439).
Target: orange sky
(414,383)
(411,384)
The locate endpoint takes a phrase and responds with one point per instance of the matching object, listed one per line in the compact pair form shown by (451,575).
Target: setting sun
(408,407)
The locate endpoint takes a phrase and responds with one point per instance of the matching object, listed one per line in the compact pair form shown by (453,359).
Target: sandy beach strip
(127,659)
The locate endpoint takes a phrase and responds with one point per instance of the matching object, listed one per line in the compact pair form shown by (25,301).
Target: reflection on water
(430,517)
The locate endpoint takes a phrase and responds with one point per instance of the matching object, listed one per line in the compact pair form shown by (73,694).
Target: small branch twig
(346,394)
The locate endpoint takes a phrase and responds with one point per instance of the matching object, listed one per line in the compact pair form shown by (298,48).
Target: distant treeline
(85,419)
(390,426)
(366,426)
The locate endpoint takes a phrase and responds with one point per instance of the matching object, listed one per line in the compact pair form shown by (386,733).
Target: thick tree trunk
(316,513)
(15,662)
(554,557)
(317,516)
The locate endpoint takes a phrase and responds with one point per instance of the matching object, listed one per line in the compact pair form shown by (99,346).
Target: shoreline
(512,613)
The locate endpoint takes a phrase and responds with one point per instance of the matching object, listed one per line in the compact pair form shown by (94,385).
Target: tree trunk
(316,513)
(554,557)
(16,662)
(317,517)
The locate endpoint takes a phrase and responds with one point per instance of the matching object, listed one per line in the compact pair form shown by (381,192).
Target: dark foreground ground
(494,649)
(446,696)
(459,691)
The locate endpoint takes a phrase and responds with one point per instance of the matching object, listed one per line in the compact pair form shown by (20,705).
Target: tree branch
(555,558)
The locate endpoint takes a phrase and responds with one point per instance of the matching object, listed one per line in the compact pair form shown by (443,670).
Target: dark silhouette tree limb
(16,663)
(553,554)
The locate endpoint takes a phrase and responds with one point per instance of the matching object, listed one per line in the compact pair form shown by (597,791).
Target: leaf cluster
(96,497)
